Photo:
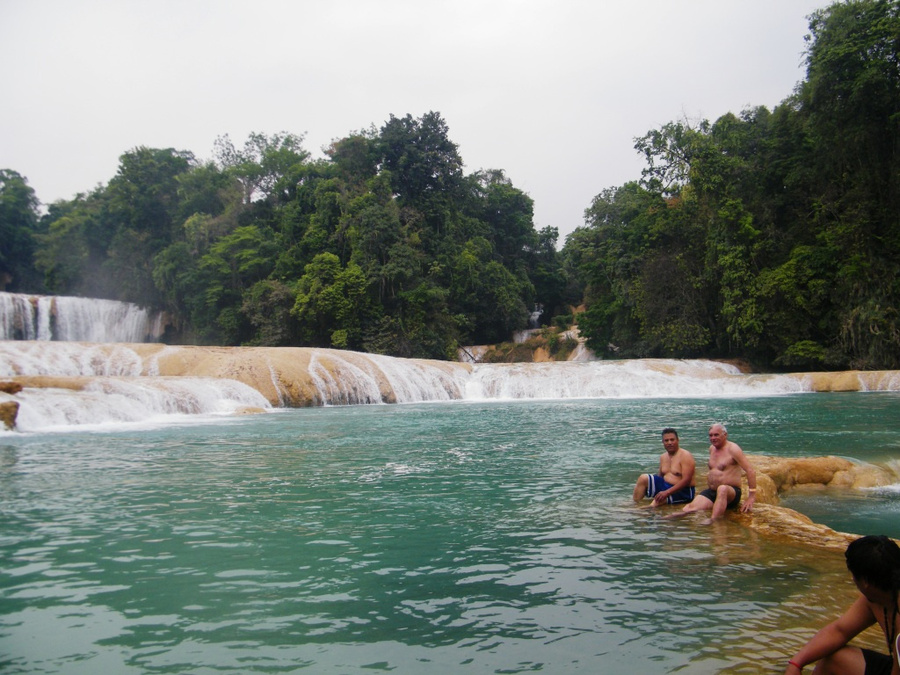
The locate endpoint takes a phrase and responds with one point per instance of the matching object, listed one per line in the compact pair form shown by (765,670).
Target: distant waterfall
(69,319)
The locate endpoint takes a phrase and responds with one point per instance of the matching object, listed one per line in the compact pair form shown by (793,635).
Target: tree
(263,246)
(262,162)
(332,303)
(267,304)
(356,156)
(547,274)
(605,255)
(507,213)
(205,189)
(73,247)
(144,193)
(488,294)
(852,96)
(233,264)
(18,224)
(425,168)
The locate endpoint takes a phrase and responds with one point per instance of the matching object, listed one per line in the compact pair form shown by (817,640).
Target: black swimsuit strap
(889,632)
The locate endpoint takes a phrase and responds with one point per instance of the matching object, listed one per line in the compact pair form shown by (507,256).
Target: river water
(460,537)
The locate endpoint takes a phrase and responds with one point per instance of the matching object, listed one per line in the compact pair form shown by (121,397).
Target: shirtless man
(726,460)
(674,483)
(874,563)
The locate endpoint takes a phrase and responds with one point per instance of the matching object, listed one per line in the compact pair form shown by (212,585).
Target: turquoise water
(441,538)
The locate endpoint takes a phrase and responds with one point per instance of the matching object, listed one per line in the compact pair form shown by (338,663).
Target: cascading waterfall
(63,318)
(66,359)
(18,317)
(111,401)
(341,382)
(69,383)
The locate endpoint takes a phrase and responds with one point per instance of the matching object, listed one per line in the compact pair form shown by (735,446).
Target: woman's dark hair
(876,560)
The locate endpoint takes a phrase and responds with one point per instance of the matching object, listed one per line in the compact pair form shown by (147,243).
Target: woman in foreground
(874,563)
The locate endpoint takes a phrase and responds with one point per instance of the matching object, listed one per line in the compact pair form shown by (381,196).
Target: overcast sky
(552,92)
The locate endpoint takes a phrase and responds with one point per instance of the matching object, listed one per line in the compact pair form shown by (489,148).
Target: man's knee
(698,503)
(844,660)
(641,488)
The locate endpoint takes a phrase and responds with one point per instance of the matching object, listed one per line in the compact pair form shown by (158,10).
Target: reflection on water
(441,538)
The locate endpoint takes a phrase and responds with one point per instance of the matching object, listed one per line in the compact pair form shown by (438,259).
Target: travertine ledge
(304,376)
(775,475)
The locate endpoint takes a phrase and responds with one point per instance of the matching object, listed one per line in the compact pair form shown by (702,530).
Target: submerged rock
(778,522)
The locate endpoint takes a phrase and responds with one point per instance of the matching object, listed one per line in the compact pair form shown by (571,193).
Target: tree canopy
(769,235)
(19,225)
(386,245)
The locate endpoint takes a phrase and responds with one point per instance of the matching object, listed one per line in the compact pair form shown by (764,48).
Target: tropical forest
(771,236)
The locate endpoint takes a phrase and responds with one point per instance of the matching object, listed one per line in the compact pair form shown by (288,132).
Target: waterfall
(638,378)
(106,402)
(351,378)
(78,380)
(17,317)
(65,359)
(62,318)
(69,383)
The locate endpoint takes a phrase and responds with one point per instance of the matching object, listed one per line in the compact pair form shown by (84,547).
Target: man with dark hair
(874,563)
(674,483)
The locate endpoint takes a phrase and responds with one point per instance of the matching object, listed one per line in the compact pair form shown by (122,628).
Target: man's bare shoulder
(734,448)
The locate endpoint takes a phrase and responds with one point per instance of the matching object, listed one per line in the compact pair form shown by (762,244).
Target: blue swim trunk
(657,484)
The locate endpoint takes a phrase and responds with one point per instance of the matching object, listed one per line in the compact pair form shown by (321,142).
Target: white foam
(645,378)
(419,381)
(67,359)
(133,389)
(116,402)
(338,381)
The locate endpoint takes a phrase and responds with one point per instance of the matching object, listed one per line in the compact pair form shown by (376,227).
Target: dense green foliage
(386,246)
(19,224)
(773,236)
(769,235)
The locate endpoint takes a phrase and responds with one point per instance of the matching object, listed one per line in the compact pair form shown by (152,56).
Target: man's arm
(834,636)
(745,464)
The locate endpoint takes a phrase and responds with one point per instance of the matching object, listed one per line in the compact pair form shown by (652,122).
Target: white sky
(552,92)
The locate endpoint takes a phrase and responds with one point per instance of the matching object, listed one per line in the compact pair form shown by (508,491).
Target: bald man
(726,461)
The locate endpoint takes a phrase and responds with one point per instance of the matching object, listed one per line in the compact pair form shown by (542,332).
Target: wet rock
(828,471)
(8,412)
(778,522)
(775,475)
(9,387)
